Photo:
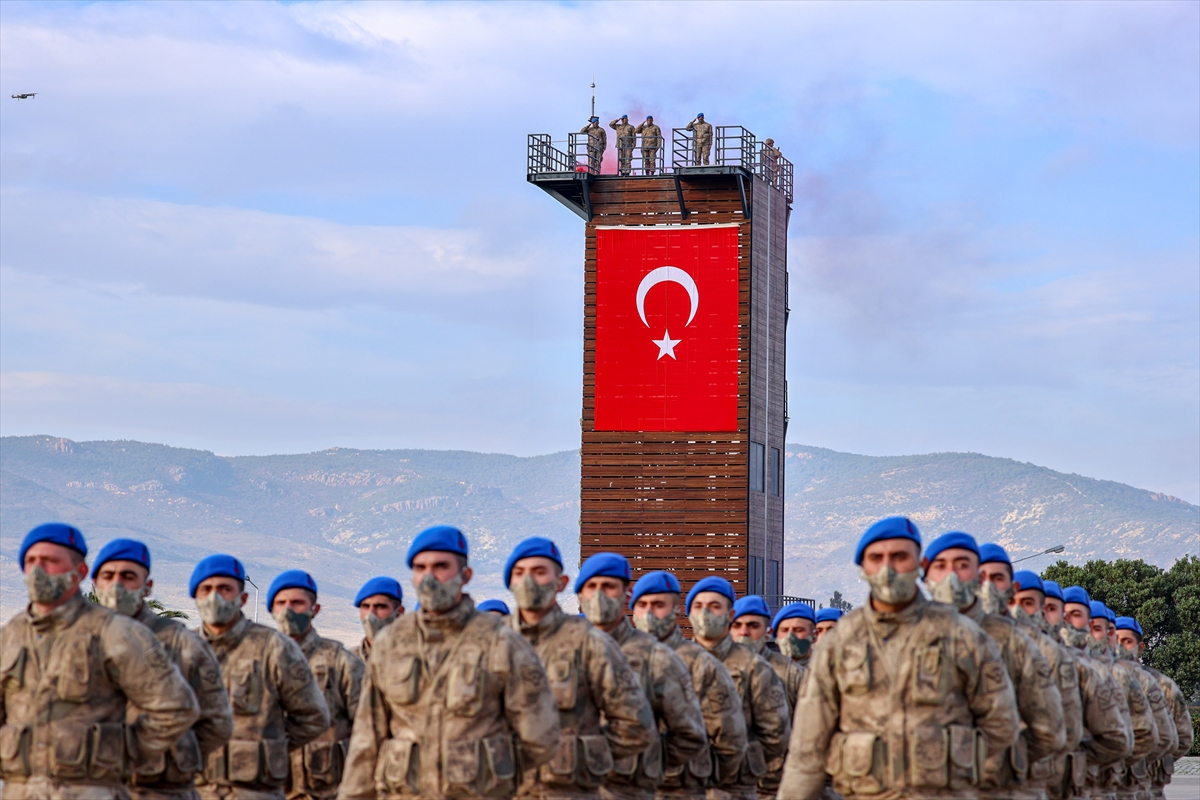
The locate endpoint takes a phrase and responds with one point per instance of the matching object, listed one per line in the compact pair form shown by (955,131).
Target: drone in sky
(24,95)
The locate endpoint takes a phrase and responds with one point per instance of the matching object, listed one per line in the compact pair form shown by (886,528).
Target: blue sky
(260,228)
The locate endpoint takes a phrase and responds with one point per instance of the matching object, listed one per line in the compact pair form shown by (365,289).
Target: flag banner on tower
(667,328)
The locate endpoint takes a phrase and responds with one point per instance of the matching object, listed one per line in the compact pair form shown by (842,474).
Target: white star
(667,346)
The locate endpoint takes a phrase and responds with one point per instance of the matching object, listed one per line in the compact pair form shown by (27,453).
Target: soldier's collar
(622,631)
(546,626)
(674,639)
(454,619)
(910,613)
(974,612)
(231,637)
(722,648)
(60,616)
(309,641)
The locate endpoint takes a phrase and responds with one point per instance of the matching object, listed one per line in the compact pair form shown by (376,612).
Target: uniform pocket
(596,757)
(14,750)
(12,669)
(242,761)
(833,758)
(321,764)
(862,763)
(276,758)
(399,764)
(756,760)
(927,676)
(560,768)
(68,750)
(462,766)
(402,680)
(701,766)
(929,757)
(854,677)
(626,765)
(561,675)
(246,688)
(1018,757)
(964,769)
(652,761)
(501,762)
(108,751)
(464,693)
(75,678)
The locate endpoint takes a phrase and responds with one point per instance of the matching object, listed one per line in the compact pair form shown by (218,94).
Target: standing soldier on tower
(770,161)
(380,602)
(625,142)
(701,140)
(597,143)
(317,766)
(277,706)
(902,696)
(651,143)
(122,580)
(603,588)
(602,710)
(655,601)
(69,670)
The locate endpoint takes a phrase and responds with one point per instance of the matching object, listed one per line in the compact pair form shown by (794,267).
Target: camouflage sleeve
(584,129)
(616,691)
(351,669)
(1110,737)
(987,686)
(1038,699)
(137,664)
(369,731)
(772,722)
(203,672)
(1164,723)
(818,706)
(529,704)
(1067,677)
(1179,713)
(691,126)
(724,721)
(685,736)
(304,707)
(11,659)
(1145,731)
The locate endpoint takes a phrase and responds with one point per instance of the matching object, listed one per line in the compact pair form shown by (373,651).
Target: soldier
(603,589)
(601,707)
(751,625)
(123,582)
(954,575)
(454,703)
(317,766)
(764,699)
(277,706)
(651,143)
(827,620)
(1129,636)
(597,143)
(701,140)
(770,161)
(903,694)
(69,670)
(380,601)
(625,142)
(496,608)
(655,602)
(793,627)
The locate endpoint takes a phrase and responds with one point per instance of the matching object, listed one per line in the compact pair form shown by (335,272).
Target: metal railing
(778,601)
(776,170)
(732,146)
(543,156)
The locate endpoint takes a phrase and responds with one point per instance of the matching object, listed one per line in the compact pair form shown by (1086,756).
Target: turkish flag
(667,328)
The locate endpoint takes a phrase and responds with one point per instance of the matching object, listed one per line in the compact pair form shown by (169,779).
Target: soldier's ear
(316,609)
(149,586)
(467,572)
(245,597)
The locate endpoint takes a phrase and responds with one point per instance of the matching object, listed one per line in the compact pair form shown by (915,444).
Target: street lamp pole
(255,585)
(1058,548)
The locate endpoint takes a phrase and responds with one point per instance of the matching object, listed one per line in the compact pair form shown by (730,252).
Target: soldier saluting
(625,141)
(69,670)
(651,143)
(597,143)
(701,140)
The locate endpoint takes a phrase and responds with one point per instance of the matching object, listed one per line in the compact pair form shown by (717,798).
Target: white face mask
(372,625)
(45,588)
(658,627)
(534,596)
(952,591)
(708,625)
(438,596)
(293,623)
(121,600)
(891,587)
(994,601)
(600,609)
(216,610)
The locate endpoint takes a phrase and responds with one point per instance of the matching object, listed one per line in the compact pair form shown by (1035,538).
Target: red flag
(667,328)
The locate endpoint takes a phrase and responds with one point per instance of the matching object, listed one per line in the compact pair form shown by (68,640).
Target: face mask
(438,596)
(1097,647)
(756,645)
(1019,613)
(1072,636)
(121,600)
(891,587)
(293,623)
(534,596)
(708,625)
(659,628)
(994,601)
(794,647)
(952,591)
(216,610)
(372,625)
(600,609)
(45,588)
(1126,654)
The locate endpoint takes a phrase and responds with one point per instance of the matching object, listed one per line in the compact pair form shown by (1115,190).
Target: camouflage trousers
(703,148)
(649,160)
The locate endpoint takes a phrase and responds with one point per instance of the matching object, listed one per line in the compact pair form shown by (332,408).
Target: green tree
(155,606)
(839,602)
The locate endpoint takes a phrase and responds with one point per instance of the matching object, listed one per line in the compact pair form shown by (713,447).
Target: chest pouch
(403,680)
(74,670)
(929,684)
(246,687)
(14,750)
(561,675)
(464,691)
(854,676)
(400,766)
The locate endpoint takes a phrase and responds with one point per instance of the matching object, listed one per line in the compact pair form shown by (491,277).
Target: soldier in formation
(702,136)
(793,627)
(752,627)
(827,620)
(495,607)
(651,144)
(597,143)
(625,141)
(379,602)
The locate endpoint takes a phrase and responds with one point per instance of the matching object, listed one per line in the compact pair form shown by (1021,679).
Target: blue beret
(443,538)
(610,565)
(123,550)
(54,533)
(751,604)
(1097,609)
(493,605)
(1052,589)
(948,540)
(793,611)
(532,547)
(1109,614)
(291,579)
(992,553)
(1077,595)
(889,528)
(1128,624)
(701,114)
(1028,580)
(829,615)
(213,566)
(381,584)
(655,583)
(710,584)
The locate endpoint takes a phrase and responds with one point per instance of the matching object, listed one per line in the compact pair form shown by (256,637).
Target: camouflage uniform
(651,143)
(668,688)
(724,723)
(1137,775)
(1107,731)
(601,708)
(768,719)
(1145,729)
(625,142)
(317,766)
(277,706)
(1038,702)
(67,678)
(791,675)
(1163,768)
(454,705)
(362,650)
(171,775)
(596,145)
(701,141)
(770,162)
(904,704)
(1046,775)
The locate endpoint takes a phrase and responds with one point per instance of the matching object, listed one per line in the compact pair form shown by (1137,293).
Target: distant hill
(346,515)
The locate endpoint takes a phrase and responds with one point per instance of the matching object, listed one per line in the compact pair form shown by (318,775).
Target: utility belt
(258,761)
(320,764)
(644,769)
(470,767)
(939,757)
(78,752)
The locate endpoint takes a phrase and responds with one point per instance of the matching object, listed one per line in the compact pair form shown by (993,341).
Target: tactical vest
(318,765)
(702,770)
(644,769)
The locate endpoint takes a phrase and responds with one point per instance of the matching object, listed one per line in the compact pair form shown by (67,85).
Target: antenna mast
(593,94)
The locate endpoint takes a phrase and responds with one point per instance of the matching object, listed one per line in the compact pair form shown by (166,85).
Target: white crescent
(665,275)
